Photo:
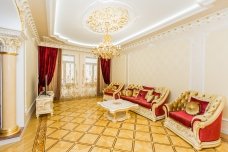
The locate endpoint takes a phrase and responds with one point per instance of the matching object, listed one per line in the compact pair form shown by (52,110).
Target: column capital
(10,41)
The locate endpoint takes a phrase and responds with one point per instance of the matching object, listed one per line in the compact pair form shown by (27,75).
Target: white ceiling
(9,17)
(67,18)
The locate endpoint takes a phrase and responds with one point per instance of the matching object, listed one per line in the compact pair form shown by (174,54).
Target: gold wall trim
(8,53)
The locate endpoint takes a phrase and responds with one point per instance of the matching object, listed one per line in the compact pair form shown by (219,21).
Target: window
(90,70)
(79,75)
(68,69)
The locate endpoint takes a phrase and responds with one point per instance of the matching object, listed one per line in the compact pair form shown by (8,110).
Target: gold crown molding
(9,53)
(48,42)
(26,17)
(214,17)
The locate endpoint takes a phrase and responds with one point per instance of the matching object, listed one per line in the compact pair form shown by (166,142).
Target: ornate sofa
(196,118)
(111,90)
(149,99)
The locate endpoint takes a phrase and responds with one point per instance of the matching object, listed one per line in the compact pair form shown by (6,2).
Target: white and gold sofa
(149,99)
(196,118)
(112,90)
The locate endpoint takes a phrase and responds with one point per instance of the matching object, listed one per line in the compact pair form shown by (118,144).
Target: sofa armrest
(207,122)
(162,100)
(116,94)
(209,117)
(157,104)
(104,90)
(167,108)
(119,89)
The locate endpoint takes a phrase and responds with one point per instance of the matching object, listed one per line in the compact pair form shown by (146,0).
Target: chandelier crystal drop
(106,49)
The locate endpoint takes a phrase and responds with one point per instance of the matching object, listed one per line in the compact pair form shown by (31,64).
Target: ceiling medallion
(117,17)
(109,19)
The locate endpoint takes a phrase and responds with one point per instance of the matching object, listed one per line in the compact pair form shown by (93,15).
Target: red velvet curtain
(105,68)
(47,62)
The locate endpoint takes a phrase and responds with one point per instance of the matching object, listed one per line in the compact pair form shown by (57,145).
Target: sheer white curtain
(79,75)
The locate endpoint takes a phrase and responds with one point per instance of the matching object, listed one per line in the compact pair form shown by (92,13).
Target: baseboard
(28,115)
(10,141)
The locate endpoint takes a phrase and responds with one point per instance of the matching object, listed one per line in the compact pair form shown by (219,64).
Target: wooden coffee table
(117,110)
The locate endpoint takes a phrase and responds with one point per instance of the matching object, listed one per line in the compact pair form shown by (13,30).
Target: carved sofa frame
(205,128)
(109,93)
(155,111)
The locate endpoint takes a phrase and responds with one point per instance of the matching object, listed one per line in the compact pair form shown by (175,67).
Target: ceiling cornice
(49,42)
(26,16)
(219,15)
(200,6)
(25,11)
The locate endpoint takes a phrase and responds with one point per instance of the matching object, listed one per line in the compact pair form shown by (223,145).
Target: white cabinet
(44,104)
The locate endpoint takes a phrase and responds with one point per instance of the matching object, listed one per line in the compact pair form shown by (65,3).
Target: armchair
(196,129)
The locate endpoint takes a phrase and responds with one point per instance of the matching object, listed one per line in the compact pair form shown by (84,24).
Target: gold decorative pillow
(150,98)
(149,93)
(114,88)
(129,93)
(135,92)
(192,108)
(123,92)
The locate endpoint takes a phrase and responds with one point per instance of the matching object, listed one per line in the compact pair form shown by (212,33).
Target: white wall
(27,79)
(194,58)
(20,84)
(216,66)
(119,67)
(31,73)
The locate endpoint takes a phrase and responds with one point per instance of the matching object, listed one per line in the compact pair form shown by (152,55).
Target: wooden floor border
(40,139)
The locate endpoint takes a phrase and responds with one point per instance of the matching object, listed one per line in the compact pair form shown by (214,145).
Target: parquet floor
(81,126)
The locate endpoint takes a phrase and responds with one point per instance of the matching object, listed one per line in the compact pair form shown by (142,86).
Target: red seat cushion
(182,117)
(140,102)
(143,102)
(127,98)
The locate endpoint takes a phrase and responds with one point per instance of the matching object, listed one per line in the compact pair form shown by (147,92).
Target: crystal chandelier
(106,49)
(105,20)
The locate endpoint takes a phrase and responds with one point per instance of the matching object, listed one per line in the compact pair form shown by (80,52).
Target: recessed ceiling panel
(145,16)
